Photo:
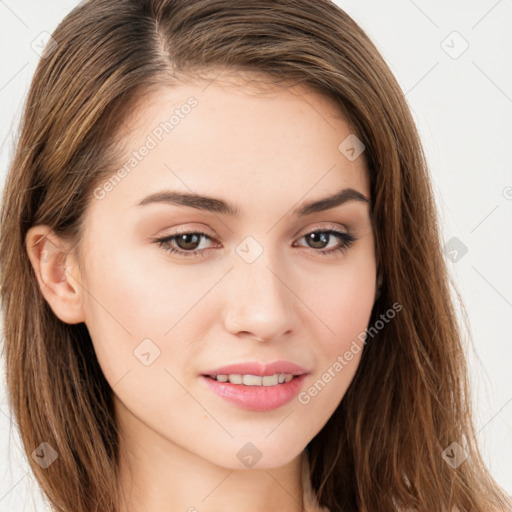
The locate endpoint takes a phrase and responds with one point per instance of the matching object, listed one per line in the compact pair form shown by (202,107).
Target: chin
(260,453)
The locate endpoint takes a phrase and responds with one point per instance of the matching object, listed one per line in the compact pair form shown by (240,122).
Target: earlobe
(56,273)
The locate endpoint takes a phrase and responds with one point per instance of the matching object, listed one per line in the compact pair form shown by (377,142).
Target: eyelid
(203,229)
(324,226)
(187,229)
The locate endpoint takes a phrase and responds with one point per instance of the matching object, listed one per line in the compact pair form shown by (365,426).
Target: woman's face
(265,284)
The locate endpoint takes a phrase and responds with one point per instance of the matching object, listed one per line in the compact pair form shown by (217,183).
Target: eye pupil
(186,238)
(319,237)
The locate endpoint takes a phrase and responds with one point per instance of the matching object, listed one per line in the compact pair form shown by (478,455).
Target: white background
(463,108)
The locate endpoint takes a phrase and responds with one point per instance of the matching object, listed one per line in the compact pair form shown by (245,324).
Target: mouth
(256,387)
(257,374)
(254,380)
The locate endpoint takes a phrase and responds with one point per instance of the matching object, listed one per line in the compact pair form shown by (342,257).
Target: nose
(259,302)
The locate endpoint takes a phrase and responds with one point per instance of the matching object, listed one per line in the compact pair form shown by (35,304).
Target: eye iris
(186,238)
(319,237)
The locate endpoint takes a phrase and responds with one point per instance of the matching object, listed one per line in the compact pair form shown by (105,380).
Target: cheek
(141,295)
(120,311)
(345,301)
(130,302)
(339,352)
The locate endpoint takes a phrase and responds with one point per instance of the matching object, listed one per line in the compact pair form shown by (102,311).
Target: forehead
(234,139)
(248,100)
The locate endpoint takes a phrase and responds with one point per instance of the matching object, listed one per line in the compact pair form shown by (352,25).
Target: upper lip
(259,369)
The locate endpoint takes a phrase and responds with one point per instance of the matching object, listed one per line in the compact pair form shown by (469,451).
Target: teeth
(252,380)
(270,380)
(235,379)
(255,380)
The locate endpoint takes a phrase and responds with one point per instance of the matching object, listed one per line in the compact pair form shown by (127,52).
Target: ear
(57,273)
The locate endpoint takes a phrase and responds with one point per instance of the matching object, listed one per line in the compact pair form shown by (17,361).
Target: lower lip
(257,398)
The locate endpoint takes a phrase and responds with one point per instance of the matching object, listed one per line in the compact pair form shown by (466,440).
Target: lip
(257,398)
(259,369)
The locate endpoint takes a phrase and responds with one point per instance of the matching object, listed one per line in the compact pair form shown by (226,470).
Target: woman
(222,280)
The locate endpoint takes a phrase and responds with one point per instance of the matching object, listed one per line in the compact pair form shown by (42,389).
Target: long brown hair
(410,398)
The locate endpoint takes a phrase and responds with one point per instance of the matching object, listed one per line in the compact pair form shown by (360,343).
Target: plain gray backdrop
(452,60)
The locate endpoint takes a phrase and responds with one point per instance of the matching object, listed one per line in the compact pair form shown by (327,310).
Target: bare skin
(268,154)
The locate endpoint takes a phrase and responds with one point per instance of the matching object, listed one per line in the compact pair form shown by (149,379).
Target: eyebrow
(223,207)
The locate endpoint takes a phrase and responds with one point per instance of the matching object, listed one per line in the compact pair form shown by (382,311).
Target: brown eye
(320,239)
(188,241)
(185,244)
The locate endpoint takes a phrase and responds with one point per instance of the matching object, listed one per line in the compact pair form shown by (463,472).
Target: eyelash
(347,239)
